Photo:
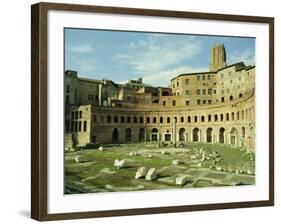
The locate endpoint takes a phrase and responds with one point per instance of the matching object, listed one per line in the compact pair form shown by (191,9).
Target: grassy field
(94,171)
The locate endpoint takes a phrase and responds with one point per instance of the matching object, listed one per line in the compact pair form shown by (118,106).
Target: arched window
(221,117)
(209,118)
(148,120)
(189,119)
(209,133)
(182,134)
(227,116)
(154,120)
(202,118)
(115,136)
(154,134)
(195,119)
(232,116)
(216,117)
(231,98)
(240,95)
(237,116)
(243,132)
(182,119)
(195,134)
(128,135)
(221,135)
(161,120)
(141,135)
(242,115)
(168,120)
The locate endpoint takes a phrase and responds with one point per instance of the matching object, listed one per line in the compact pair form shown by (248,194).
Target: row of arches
(217,117)
(182,135)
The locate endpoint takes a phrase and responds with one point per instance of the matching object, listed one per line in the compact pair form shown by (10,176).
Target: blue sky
(155,57)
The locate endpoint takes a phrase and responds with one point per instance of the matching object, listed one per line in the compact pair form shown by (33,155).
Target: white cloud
(84,48)
(162,78)
(247,56)
(158,52)
(158,58)
(83,65)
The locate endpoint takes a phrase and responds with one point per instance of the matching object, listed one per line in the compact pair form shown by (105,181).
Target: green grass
(87,176)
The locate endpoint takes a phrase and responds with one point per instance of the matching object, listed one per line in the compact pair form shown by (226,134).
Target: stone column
(174,133)
(100,92)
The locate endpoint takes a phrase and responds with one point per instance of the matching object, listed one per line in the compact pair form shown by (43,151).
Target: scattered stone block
(101,148)
(141,172)
(134,153)
(177,162)
(79,159)
(182,180)
(108,187)
(249,172)
(218,168)
(140,187)
(120,163)
(164,153)
(151,174)
(193,157)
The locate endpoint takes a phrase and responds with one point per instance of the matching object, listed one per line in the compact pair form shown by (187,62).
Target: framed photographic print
(139,111)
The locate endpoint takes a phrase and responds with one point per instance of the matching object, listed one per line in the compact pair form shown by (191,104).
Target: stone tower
(218,58)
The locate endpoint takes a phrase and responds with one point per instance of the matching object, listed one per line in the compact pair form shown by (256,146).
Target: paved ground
(205,165)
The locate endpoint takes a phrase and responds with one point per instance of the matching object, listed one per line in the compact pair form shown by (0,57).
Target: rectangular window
(209,91)
(187,102)
(198,91)
(186,81)
(94,118)
(204,91)
(209,101)
(141,120)
(198,102)
(128,119)
(215,91)
(174,85)
(135,120)
(203,77)
(115,119)
(80,114)
(209,77)
(108,119)
(85,125)
(164,103)
(198,78)
(80,126)
(204,101)
(187,92)
(174,103)
(67,99)
(122,119)
(178,83)
(68,88)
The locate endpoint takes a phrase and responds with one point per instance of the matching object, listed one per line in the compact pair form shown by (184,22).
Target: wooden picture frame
(39,109)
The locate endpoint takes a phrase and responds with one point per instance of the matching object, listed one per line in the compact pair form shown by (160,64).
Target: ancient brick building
(215,106)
